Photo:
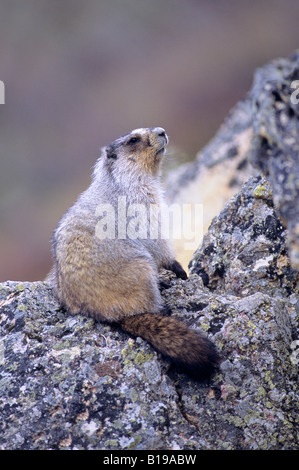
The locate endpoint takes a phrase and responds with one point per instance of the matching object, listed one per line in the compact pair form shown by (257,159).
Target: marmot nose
(160,132)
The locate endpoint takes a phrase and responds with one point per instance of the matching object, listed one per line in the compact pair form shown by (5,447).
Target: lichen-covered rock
(253,402)
(72,383)
(245,249)
(218,172)
(68,382)
(275,145)
(260,135)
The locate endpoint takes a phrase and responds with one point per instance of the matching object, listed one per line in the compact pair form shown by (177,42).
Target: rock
(72,383)
(275,146)
(224,157)
(252,403)
(218,173)
(245,250)
(69,382)
(260,135)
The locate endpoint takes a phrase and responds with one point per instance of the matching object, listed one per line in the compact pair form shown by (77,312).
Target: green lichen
(235,420)
(60,376)
(12,367)
(205,326)
(111,444)
(22,308)
(20,287)
(134,396)
(134,444)
(127,350)
(195,398)
(261,392)
(268,379)
(261,191)
(62,345)
(141,358)
(134,356)
(118,424)
(251,327)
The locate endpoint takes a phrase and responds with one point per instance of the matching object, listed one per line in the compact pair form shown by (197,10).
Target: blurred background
(78,74)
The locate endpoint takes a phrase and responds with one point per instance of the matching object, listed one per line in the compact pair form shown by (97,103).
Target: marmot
(114,277)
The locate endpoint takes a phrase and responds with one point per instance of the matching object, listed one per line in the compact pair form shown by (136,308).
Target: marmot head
(140,150)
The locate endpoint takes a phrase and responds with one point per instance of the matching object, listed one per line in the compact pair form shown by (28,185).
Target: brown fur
(116,280)
(187,348)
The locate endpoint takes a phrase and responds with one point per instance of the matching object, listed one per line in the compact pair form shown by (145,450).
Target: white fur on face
(142,130)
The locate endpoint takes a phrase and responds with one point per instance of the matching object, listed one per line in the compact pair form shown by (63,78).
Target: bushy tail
(189,349)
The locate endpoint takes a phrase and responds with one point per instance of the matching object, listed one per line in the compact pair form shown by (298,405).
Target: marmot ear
(110,152)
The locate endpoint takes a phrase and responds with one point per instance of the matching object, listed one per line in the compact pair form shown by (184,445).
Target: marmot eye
(133,140)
